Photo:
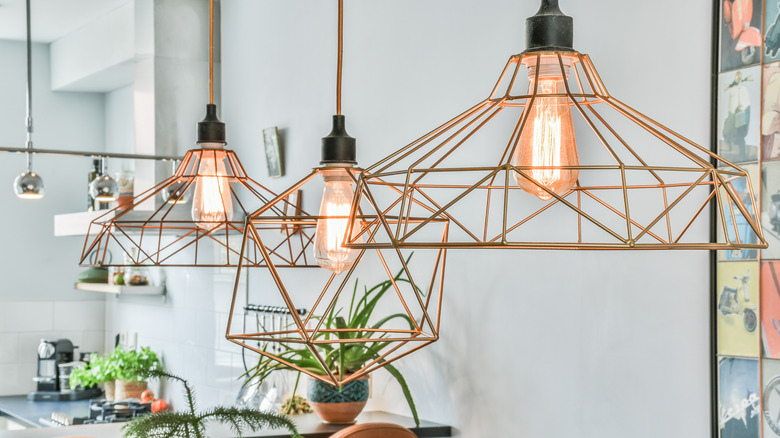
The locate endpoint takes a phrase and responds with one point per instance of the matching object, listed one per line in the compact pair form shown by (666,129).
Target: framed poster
(273,152)
(738,398)
(745,298)
(770,209)
(738,309)
(770,309)
(740,33)
(739,106)
(771,397)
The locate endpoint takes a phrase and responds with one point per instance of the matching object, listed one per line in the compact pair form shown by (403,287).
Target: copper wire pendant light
(414,306)
(551,160)
(178,230)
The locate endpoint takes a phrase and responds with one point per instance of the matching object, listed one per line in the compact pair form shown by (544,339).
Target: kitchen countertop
(28,412)
(309,425)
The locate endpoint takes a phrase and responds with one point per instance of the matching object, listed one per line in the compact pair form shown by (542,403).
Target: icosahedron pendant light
(179,231)
(352,280)
(551,160)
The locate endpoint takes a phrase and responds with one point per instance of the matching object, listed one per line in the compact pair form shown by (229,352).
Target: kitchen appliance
(102,411)
(51,355)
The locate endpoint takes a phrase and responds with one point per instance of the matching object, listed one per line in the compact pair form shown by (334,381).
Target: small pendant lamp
(552,160)
(336,290)
(29,185)
(204,204)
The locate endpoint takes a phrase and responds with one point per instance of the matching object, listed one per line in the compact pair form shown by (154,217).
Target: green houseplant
(122,371)
(344,358)
(96,372)
(192,423)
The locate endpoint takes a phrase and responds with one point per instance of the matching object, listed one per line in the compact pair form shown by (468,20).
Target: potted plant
(130,367)
(192,424)
(342,404)
(96,372)
(121,371)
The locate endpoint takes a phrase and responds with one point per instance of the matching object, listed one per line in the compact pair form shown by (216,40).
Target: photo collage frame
(747,286)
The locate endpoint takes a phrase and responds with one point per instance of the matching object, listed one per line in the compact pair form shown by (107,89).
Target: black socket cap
(549,29)
(210,129)
(338,146)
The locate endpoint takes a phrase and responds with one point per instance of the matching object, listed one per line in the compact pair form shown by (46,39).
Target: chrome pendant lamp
(412,283)
(181,220)
(550,159)
(29,185)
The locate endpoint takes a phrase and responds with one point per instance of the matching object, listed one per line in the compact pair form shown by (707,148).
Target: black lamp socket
(338,146)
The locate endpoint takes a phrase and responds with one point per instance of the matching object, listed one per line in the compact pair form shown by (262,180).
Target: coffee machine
(51,383)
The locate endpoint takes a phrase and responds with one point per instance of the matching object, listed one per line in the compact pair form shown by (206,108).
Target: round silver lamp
(176,192)
(29,185)
(104,188)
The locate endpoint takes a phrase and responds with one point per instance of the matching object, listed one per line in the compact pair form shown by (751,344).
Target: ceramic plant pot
(108,387)
(338,406)
(124,390)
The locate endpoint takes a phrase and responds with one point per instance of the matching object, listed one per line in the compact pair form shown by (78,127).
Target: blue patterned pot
(338,406)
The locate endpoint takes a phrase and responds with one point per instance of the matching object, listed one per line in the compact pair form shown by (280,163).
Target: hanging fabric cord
(211,51)
(340,56)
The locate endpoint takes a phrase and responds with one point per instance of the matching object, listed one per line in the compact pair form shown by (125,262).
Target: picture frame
(292,207)
(273,152)
(745,122)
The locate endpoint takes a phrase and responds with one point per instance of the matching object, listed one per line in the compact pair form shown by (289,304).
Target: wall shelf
(121,290)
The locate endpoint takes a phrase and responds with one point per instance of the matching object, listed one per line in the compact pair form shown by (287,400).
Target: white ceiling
(51,19)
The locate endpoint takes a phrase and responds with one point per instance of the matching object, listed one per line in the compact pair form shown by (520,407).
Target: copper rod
(211,52)
(340,56)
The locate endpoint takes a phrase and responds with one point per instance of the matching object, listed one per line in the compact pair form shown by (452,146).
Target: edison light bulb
(213,201)
(547,141)
(333,223)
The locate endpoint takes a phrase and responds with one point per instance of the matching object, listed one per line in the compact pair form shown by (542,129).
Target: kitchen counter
(28,412)
(309,425)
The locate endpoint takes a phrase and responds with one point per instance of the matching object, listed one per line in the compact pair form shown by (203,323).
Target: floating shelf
(121,290)
(76,224)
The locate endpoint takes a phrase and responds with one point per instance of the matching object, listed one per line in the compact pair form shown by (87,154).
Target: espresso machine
(55,362)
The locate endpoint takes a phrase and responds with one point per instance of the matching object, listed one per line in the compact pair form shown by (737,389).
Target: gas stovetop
(102,411)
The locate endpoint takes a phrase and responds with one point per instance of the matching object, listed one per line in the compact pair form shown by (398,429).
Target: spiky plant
(346,357)
(192,424)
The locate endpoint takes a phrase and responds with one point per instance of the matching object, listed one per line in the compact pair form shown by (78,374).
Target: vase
(109,390)
(339,406)
(124,389)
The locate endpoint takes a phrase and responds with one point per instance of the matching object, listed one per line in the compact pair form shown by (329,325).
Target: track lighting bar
(91,154)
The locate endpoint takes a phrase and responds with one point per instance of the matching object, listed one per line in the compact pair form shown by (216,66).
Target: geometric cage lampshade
(552,160)
(404,287)
(209,184)
(355,310)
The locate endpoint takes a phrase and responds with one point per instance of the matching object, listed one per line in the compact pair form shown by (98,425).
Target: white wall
(34,264)
(37,298)
(534,344)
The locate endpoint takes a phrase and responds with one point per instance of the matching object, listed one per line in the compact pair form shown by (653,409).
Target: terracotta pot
(108,387)
(338,406)
(125,389)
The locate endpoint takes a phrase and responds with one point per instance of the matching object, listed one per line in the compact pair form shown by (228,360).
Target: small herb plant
(95,373)
(119,365)
(131,365)
(192,424)
(346,358)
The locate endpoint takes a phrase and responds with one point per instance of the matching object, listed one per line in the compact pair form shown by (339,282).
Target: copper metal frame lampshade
(640,185)
(167,235)
(414,282)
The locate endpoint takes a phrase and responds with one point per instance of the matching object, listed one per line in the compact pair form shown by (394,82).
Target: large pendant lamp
(551,160)
(201,207)
(29,185)
(338,278)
